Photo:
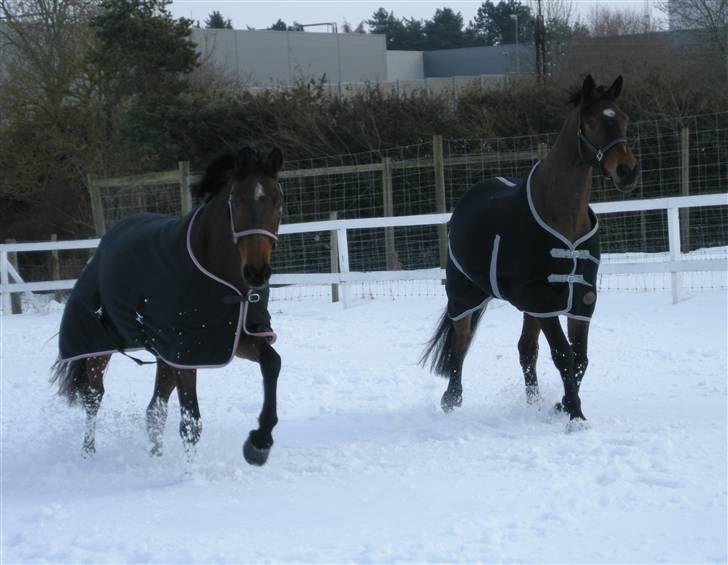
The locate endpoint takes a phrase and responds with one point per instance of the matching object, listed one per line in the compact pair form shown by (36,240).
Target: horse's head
(602,133)
(255,203)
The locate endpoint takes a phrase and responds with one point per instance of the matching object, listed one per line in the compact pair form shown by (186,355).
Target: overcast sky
(262,13)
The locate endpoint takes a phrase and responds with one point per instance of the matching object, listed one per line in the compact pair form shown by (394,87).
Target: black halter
(597,157)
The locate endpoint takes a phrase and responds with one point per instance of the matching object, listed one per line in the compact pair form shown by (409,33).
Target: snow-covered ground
(365,467)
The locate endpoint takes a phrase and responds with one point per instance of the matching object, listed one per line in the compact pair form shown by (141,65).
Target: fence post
(16,304)
(97,210)
(542,150)
(685,186)
(4,281)
(390,252)
(334,248)
(673,232)
(343,248)
(438,159)
(55,268)
(185,198)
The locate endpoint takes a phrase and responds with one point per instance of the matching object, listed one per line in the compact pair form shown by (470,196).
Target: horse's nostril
(247,273)
(622,170)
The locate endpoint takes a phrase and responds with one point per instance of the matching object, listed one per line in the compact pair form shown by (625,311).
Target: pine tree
(216,21)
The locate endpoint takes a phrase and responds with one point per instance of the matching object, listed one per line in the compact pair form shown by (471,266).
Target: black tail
(71,377)
(440,346)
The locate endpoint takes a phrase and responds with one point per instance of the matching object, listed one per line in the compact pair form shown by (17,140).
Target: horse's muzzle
(626,178)
(256,277)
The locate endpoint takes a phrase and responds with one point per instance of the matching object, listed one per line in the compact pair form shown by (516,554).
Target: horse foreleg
(579,338)
(91,396)
(528,355)
(164,383)
(457,349)
(190,424)
(563,357)
(257,447)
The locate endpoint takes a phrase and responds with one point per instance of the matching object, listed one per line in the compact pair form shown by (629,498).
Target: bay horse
(535,243)
(191,290)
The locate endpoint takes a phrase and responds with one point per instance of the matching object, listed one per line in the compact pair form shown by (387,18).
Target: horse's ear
(616,87)
(587,89)
(273,162)
(245,161)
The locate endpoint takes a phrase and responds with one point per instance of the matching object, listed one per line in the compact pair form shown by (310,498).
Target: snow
(366,467)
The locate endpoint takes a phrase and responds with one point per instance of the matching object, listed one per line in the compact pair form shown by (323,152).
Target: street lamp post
(514,17)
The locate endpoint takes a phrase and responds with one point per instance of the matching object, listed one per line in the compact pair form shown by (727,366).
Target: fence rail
(675,262)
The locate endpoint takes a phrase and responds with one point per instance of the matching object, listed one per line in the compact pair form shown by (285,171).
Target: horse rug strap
(144,289)
(500,247)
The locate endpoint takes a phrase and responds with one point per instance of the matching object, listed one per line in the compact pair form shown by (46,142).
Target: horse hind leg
(190,424)
(164,385)
(90,394)
(449,347)
(528,355)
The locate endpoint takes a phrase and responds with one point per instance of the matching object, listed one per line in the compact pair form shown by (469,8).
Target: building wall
(474,61)
(264,58)
(405,65)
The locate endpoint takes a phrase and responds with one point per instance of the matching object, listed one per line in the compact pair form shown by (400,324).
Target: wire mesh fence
(681,156)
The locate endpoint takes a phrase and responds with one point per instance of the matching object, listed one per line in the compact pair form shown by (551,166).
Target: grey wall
(472,61)
(405,65)
(263,58)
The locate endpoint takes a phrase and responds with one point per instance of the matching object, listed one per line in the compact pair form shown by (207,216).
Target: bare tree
(605,22)
(710,16)
(43,44)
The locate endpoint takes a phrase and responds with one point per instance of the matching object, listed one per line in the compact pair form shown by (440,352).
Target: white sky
(262,13)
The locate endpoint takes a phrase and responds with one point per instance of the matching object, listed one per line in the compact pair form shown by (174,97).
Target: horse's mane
(574,94)
(216,177)
(225,166)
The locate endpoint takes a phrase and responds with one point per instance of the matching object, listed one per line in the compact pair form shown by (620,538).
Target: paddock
(366,467)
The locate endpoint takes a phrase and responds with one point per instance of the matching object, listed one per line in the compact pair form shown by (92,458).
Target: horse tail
(72,378)
(440,347)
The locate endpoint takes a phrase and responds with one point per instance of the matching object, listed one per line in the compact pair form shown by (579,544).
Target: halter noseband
(244,233)
(597,160)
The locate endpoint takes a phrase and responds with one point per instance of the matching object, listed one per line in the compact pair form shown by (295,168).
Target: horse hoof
(255,455)
(577,425)
(155,451)
(451,401)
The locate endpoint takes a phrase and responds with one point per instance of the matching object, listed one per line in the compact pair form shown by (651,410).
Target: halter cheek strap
(597,161)
(244,233)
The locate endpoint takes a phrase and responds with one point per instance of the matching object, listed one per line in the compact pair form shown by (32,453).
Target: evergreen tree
(280,25)
(413,35)
(445,30)
(494,25)
(142,58)
(216,21)
(385,23)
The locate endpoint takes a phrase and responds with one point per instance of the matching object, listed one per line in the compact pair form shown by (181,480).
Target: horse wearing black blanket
(192,291)
(535,243)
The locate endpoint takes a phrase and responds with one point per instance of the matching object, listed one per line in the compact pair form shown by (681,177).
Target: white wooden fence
(676,264)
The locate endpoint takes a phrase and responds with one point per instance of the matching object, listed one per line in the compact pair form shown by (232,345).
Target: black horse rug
(145,289)
(500,247)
